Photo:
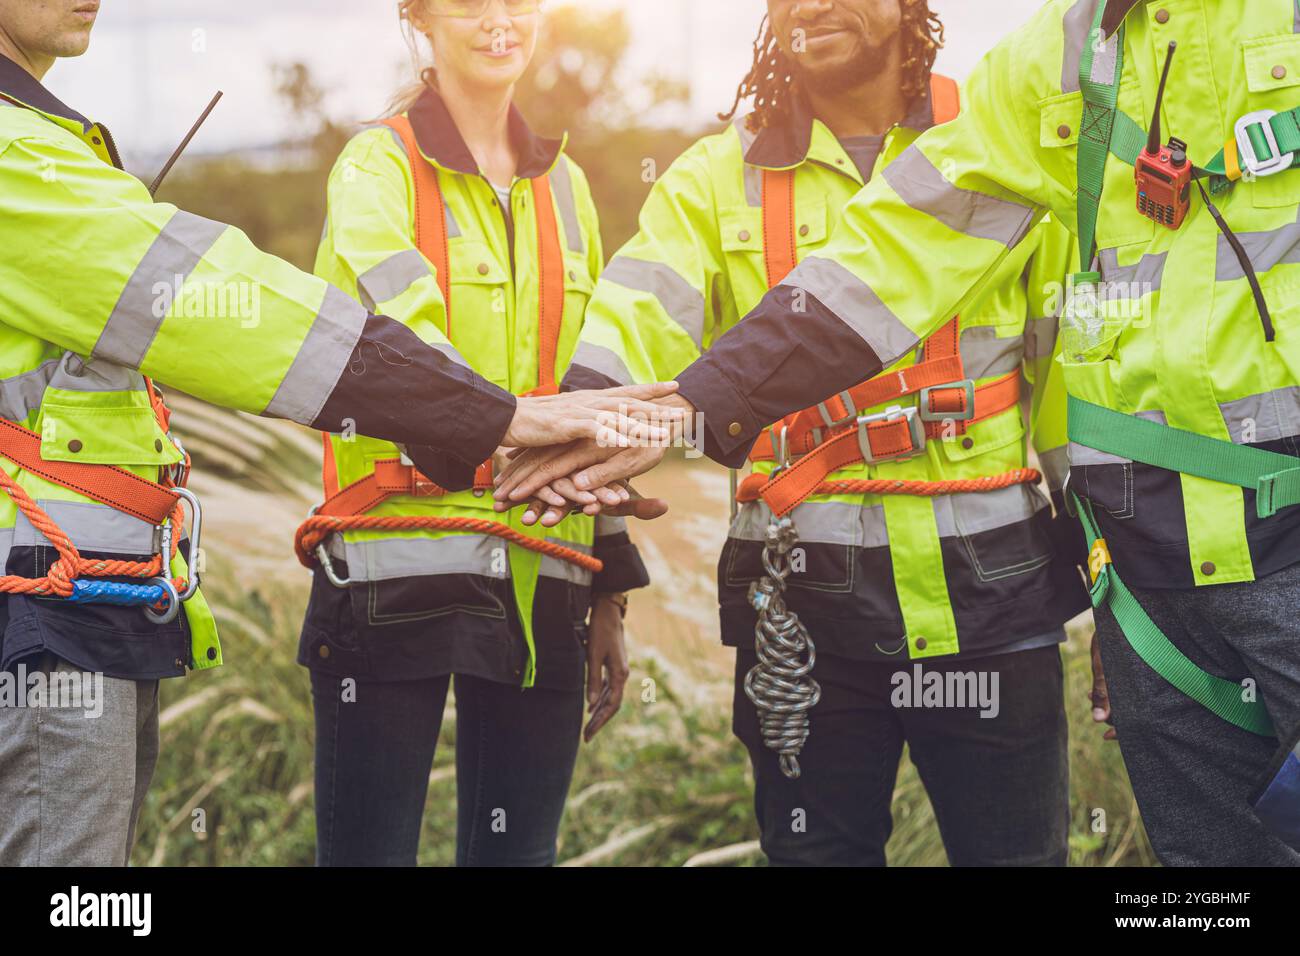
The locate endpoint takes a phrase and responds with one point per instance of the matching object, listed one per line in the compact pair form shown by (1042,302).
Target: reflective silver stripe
(136,319)
(846,524)
(746,137)
(6,543)
(602,360)
(397,138)
(754,186)
(1264,249)
(973,513)
(1055,463)
(75,374)
(855,304)
(91,526)
(983,354)
(1103,60)
(1141,278)
(325,229)
(20,395)
(449,350)
(1040,337)
(391,278)
(1077,25)
(683,303)
(607,525)
(453,227)
(389,558)
(1295,26)
(563,570)
(562,190)
(316,368)
(1267,416)
(919,184)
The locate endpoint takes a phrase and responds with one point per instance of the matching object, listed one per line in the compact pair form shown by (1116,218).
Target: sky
(153,64)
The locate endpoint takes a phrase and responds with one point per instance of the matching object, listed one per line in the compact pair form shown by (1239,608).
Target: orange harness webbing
(345,509)
(109,485)
(830,435)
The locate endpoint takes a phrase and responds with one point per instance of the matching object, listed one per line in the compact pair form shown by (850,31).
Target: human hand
(615,417)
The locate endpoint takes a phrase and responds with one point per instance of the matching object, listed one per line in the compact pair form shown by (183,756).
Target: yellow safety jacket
(511,309)
(937,575)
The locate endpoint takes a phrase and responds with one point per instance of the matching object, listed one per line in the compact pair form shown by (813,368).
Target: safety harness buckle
(915,427)
(925,403)
(849,416)
(1247,158)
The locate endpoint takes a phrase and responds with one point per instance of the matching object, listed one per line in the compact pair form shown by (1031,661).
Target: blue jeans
(515,752)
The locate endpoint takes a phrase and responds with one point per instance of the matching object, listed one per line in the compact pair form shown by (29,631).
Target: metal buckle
(847,399)
(780,448)
(196,535)
(914,424)
(173,608)
(1246,150)
(929,415)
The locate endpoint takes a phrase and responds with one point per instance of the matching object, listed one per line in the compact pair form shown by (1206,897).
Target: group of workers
(876,289)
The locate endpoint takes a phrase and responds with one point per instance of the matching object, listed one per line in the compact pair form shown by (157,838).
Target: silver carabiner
(196,533)
(168,614)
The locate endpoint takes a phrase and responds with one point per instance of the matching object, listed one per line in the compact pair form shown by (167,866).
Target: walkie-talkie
(1164,176)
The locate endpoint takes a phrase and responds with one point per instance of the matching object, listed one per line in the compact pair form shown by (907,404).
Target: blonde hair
(407,96)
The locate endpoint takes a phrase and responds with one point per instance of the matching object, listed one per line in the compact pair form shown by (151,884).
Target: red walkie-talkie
(1164,176)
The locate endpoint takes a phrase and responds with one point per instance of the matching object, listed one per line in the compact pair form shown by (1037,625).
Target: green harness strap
(1276,478)
(1222,697)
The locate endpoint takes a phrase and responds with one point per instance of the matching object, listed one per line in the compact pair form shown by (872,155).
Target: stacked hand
(590,471)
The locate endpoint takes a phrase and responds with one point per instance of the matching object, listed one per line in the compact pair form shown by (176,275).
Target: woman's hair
(427,75)
(773,83)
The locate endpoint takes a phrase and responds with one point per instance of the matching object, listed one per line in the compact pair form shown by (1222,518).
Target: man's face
(836,45)
(48,29)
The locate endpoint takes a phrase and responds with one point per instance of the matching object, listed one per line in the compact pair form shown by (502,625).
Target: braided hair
(773,82)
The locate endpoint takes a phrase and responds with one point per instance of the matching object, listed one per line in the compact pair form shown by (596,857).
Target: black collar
(441,141)
(1116,11)
(19,85)
(787,145)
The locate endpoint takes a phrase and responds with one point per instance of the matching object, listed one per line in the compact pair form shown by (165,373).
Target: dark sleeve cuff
(580,377)
(398,388)
(624,570)
(781,358)
(445,470)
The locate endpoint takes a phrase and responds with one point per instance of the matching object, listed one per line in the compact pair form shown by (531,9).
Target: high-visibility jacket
(955,572)
(497,271)
(99,287)
(1183,412)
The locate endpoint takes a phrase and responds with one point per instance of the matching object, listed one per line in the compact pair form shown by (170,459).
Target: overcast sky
(153,64)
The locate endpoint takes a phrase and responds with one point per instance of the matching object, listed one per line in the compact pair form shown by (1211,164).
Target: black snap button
(968,443)
(157,444)
(803,230)
(483,268)
(212,653)
(1162,16)
(323,650)
(744,235)
(921,643)
(1063,131)
(74,446)
(734,429)
(1208,568)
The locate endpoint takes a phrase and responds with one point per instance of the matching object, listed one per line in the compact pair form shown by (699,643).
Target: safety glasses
(472,9)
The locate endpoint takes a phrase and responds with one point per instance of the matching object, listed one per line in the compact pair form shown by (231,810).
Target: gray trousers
(72,780)
(1193,773)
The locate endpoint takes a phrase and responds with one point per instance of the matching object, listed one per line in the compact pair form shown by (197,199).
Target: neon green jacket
(942,571)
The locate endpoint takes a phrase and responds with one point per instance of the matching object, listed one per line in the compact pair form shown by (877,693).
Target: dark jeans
(999,785)
(515,752)
(1193,774)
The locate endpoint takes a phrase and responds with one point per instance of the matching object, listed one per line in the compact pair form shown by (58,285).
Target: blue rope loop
(85,591)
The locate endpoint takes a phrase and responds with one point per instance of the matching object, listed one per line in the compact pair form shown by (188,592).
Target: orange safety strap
(550,289)
(107,484)
(945,98)
(889,438)
(430,211)
(780,248)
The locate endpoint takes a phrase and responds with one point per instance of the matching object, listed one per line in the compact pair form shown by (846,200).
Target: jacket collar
(788,145)
(23,88)
(1116,11)
(19,86)
(440,140)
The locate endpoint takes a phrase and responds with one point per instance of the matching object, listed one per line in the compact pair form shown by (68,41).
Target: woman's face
(483,43)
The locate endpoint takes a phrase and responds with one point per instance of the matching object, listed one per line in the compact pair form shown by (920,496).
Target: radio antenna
(1153,138)
(153,190)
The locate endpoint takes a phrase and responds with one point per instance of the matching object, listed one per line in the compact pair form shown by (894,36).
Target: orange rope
(71,565)
(880,486)
(318,527)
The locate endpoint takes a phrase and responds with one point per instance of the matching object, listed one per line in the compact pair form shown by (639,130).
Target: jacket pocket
(1273,83)
(1002,545)
(104,435)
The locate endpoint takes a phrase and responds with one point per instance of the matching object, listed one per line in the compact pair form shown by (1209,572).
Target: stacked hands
(577,450)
